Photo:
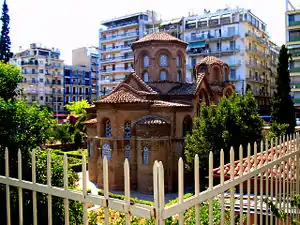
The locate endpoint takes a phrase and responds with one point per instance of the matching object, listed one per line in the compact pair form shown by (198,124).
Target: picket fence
(282,156)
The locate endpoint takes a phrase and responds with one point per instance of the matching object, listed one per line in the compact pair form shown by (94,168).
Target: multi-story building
(42,69)
(292,24)
(77,84)
(116,56)
(237,37)
(85,58)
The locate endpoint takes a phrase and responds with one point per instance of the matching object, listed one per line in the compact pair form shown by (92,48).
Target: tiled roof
(152,119)
(122,96)
(158,103)
(217,88)
(140,82)
(91,121)
(159,36)
(210,60)
(262,158)
(188,88)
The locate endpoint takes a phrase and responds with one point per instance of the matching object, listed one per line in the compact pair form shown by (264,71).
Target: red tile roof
(122,96)
(162,104)
(262,158)
(159,36)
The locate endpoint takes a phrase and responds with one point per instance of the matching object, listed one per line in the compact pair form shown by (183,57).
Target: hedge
(77,167)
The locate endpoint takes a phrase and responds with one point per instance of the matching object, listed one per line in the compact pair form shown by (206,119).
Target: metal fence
(271,175)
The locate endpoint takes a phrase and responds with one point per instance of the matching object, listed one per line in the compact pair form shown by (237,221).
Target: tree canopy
(5,53)
(233,122)
(283,106)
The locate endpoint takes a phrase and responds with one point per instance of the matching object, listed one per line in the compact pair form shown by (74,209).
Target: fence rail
(276,168)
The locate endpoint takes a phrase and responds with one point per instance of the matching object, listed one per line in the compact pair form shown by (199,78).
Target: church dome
(209,60)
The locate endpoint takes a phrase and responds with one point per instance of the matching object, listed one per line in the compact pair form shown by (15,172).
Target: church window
(127,152)
(146,76)
(145,156)
(127,130)
(106,151)
(107,128)
(163,60)
(163,75)
(178,61)
(178,76)
(91,150)
(146,61)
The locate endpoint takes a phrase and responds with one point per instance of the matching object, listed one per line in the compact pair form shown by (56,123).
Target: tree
(77,108)
(283,106)
(5,53)
(10,77)
(233,122)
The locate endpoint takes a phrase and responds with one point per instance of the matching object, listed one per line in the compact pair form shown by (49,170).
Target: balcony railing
(256,65)
(116,48)
(234,63)
(256,79)
(294,38)
(206,37)
(294,23)
(258,38)
(120,36)
(119,58)
(108,71)
(256,51)
(295,70)
(206,52)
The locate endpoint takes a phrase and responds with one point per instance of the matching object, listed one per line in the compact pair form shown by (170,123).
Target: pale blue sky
(68,24)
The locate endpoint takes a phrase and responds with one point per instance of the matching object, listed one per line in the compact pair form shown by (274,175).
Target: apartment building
(77,84)
(238,38)
(87,57)
(42,69)
(115,38)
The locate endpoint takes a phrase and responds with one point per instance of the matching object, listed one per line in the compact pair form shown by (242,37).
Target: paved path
(134,194)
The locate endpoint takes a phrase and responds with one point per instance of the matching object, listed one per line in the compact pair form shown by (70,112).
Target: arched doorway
(187,125)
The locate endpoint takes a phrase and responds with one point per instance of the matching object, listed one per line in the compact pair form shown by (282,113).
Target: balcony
(29,63)
(117,59)
(233,64)
(116,48)
(257,38)
(294,38)
(256,65)
(122,25)
(30,91)
(211,38)
(256,52)
(256,79)
(120,36)
(295,70)
(294,23)
(110,71)
(261,94)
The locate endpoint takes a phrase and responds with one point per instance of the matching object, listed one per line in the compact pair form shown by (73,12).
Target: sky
(69,24)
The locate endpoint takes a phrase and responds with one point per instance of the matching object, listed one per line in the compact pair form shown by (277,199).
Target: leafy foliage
(10,77)
(5,53)
(78,107)
(277,130)
(63,133)
(234,122)
(283,106)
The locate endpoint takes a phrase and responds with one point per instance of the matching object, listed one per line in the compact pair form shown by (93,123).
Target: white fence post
(66,201)
(49,186)
(20,189)
(197,188)
(84,190)
(210,186)
(34,202)
(161,192)
(180,188)
(222,183)
(127,190)
(155,193)
(7,187)
(105,188)
(232,198)
(241,184)
(255,184)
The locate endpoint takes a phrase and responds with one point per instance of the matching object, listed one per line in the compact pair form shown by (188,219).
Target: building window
(146,61)
(127,130)
(146,76)
(106,151)
(178,76)
(146,156)
(41,98)
(107,128)
(232,45)
(41,71)
(41,80)
(91,150)
(233,74)
(127,152)
(163,60)
(163,75)
(178,61)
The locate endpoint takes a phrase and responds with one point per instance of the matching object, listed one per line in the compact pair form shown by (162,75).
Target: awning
(192,21)
(199,44)
(170,22)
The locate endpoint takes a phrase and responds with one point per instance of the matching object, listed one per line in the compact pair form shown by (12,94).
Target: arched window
(127,130)
(146,61)
(106,151)
(107,128)
(178,61)
(178,76)
(91,150)
(163,75)
(187,125)
(146,76)
(127,152)
(146,156)
(163,60)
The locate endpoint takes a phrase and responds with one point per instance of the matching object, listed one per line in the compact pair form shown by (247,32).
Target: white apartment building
(115,38)
(42,69)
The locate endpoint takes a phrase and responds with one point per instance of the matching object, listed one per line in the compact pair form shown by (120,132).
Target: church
(147,116)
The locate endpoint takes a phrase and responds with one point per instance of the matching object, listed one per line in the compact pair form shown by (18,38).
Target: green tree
(77,108)
(233,122)
(283,106)
(10,77)
(5,53)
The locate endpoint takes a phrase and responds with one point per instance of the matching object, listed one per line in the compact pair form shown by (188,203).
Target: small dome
(208,60)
